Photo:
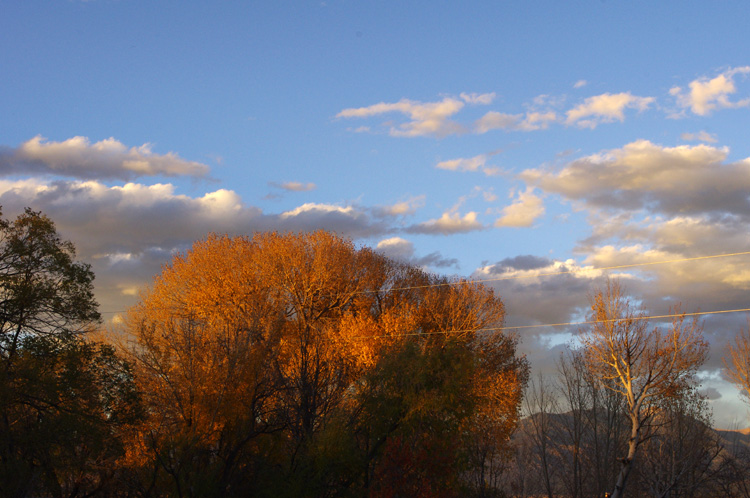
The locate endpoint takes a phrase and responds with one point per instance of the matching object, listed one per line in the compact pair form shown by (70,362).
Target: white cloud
(494,120)
(107,159)
(476,163)
(448,224)
(433,118)
(463,164)
(133,217)
(580,84)
(312,207)
(478,98)
(427,118)
(523,211)
(532,121)
(643,175)
(294,186)
(525,281)
(605,108)
(401,208)
(706,95)
(127,232)
(403,250)
(701,136)
(348,220)
(538,120)
(396,248)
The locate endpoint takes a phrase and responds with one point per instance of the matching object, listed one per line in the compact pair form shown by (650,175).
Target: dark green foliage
(62,405)
(43,290)
(416,401)
(61,398)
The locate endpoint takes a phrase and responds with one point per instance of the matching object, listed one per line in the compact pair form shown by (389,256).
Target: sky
(490,140)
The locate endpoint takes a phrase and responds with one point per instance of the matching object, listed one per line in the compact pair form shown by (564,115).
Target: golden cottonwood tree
(262,361)
(644,365)
(205,335)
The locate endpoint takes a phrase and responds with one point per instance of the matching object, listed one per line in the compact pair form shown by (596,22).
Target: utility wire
(518,327)
(563,272)
(546,274)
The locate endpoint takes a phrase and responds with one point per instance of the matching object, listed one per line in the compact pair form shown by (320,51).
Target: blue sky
(479,139)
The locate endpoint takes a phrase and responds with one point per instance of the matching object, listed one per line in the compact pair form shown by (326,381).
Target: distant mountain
(734,438)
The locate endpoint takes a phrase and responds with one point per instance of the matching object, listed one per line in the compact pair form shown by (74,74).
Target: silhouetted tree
(63,399)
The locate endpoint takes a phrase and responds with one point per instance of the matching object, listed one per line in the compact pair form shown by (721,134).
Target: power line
(563,272)
(541,325)
(546,274)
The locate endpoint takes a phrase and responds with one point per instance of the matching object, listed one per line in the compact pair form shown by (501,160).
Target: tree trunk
(627,462)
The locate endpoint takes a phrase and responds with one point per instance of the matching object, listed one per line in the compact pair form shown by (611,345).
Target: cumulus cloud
(655,214)
(696,260)
(685,276)
(402,208)
(449,223)
(434,118)
(396,248)
(580,84)
(523,282)
(127,232)
(523,212)
(711,284)
(564,286)
(107,159)
(476,163)
(531,121)
(403,250)
(294,186)
(538,120)
(349,220)
(464,164)
(129,218)
(426,118)
(642,175)
(671,222)
(521,262)
(605,108)
(706,95)
(494,120)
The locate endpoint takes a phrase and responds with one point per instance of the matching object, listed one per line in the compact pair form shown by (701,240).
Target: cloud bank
(77,157)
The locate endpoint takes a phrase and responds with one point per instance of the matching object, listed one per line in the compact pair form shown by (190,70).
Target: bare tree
(683,454)
(738,362)
(643,365)
(589,432)
(576,400)
(541,407)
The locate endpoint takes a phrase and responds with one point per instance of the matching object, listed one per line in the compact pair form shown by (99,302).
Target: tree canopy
(293,364)
(62,397)
(43,290)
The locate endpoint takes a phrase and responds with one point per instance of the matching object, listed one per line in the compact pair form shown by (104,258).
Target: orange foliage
(243,336)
